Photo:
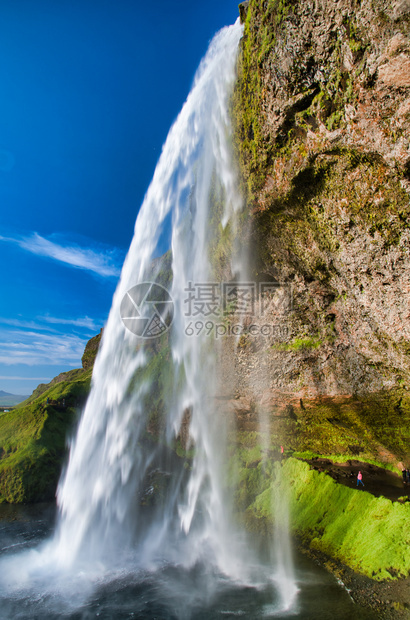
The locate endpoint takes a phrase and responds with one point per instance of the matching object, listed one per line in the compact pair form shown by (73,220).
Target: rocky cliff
(322,122)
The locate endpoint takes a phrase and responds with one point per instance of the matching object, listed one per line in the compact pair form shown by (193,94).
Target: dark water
(170,593)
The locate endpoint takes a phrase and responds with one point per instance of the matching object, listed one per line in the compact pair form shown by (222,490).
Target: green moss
(334,121)
(257,44)
(298,215)
(265,31)
(366,533)
(308,229)
(331,427)
(357,43)
(182,452)
(374,428)
(90,351)
(297,344)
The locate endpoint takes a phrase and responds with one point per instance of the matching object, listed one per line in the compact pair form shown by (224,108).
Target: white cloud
(101,263)
(85,322)
(13,378)
(20,323)
(32,348)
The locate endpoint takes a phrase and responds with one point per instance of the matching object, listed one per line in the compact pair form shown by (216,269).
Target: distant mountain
(9,400)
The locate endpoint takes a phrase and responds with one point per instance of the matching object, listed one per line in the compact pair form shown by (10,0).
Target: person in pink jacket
(359,479)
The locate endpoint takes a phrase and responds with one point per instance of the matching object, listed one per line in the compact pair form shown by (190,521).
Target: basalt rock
(90,351)
(322,124)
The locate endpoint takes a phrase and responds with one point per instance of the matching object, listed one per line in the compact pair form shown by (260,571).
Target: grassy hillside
(33,436)
(33,441)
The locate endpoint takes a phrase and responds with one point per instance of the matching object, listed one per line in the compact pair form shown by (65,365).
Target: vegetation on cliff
(364,532)
(33,436)
(373,428)
(322,125)
(322,136)
(312,63)
(90,351)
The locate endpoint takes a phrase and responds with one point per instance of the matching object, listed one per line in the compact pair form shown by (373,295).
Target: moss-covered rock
(322,138)
(90,351)
(305,72)
(366,533)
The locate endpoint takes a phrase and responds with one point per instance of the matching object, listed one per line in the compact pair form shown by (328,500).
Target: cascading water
(161,386)
(108,464)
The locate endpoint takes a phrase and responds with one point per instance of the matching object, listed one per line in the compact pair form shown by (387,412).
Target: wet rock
(243,10)
(330,101)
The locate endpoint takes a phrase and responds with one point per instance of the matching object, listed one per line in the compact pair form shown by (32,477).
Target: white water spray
(282,550)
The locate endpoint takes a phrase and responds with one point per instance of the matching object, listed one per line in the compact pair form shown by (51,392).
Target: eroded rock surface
(322,113)
(323,125)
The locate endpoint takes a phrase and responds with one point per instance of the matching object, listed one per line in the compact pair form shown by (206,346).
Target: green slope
(33,441)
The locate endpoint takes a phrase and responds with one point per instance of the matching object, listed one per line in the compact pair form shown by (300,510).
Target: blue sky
(88,92)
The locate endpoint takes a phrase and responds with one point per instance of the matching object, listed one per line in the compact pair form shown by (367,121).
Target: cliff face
(90,351)
(322,113)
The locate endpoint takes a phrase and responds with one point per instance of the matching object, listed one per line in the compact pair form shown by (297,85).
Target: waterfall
(145,484)
(109,459)
(282,552)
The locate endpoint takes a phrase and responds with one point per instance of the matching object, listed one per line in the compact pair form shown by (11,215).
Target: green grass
(33,441)
(368,534)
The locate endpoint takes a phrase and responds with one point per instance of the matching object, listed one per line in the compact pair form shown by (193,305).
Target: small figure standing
(281,451)
(359,479)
